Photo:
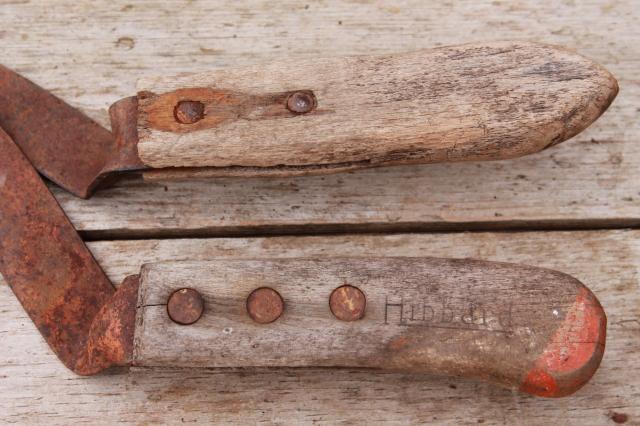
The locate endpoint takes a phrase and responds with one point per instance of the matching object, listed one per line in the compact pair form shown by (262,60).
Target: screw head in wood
(264,305)
(347,303)
(301,102)
(185,306)
(189,112)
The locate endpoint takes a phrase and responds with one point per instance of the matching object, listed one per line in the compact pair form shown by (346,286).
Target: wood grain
(588,181)
(36,388)
(458,103)
(526,328)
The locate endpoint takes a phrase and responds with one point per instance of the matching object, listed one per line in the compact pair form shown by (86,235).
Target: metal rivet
(185,306)
(264,305)
(189,112)
(347,303)
(301,102)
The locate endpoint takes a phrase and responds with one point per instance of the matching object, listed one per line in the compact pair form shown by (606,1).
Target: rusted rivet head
(189,112)
(185,306)
(301,102)
(264,305)
(347,303)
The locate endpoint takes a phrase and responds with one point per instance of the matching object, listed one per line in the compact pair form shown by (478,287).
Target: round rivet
(264,305)
(185,306)
(347,303)
(189,112)
(301,102)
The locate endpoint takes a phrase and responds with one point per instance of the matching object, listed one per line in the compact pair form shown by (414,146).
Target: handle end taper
(574,352)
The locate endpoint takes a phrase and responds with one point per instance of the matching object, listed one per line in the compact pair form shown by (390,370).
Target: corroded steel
(264,305)
(64,145)
(302,102)
(60,285)
(347,303)
(189,112)
(185,306)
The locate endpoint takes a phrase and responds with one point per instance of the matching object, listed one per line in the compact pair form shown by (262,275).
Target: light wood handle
(522,327)
(469,102)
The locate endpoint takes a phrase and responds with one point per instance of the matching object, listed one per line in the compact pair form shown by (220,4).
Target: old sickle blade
(63,289)
(62,143)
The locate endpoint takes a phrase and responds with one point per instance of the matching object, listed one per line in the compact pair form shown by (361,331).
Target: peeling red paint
(574,353)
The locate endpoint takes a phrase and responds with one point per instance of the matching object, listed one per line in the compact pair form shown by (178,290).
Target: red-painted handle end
(574,352)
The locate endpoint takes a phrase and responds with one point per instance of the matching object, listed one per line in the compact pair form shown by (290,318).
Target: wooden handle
(521,327)
(468,102)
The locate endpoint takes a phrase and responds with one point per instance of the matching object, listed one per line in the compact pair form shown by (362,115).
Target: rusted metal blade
(64,145)
(63,289)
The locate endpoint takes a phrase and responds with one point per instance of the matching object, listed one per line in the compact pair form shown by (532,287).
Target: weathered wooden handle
(306,116)
(534,329)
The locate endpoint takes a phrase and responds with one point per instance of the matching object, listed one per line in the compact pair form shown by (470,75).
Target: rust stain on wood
(166,112)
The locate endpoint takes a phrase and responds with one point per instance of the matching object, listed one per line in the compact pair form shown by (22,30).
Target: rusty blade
(60,285)
(64,145)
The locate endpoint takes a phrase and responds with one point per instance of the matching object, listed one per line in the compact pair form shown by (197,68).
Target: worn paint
(574,352)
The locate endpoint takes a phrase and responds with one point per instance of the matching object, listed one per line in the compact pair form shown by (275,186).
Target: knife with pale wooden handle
(317,115)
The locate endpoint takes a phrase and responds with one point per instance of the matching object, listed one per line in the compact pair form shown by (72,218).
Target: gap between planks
(360,229)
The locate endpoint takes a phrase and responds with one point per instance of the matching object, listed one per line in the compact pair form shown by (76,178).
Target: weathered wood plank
(93,54)
(35,387)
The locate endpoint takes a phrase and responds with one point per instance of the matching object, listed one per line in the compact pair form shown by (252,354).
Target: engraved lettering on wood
(448,312)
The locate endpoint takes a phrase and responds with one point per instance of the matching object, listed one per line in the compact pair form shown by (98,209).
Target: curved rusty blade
(64,145)
(63,289)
